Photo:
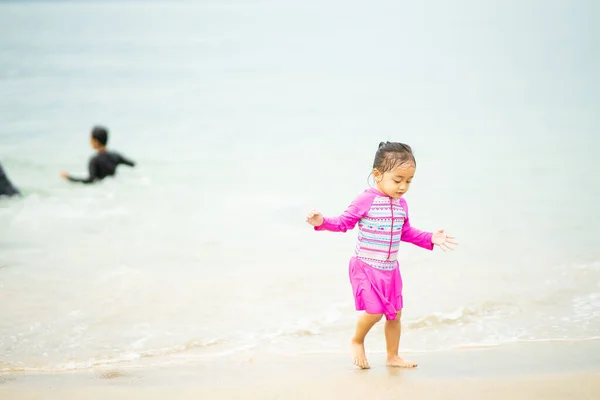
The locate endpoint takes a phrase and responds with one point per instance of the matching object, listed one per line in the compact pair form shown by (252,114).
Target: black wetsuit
(102,165)
(6,188)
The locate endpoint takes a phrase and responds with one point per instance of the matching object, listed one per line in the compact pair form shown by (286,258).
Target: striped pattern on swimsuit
(379,233)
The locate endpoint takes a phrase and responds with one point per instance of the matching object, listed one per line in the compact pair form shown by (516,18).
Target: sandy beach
(524,371)
(567,386)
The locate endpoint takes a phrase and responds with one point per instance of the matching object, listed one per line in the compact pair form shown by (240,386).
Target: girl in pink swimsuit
(383,222)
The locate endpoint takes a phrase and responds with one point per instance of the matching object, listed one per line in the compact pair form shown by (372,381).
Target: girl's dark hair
(391,155)
(100,133)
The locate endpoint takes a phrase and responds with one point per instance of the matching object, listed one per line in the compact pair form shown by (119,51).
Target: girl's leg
(392,340)
(363,326)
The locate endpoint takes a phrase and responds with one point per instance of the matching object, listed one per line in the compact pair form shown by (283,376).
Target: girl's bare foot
(397,361)
(358,355)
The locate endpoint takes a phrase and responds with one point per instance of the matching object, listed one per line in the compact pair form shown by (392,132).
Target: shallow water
(242,116)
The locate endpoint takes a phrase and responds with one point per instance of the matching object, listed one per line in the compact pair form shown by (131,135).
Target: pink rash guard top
(383,223)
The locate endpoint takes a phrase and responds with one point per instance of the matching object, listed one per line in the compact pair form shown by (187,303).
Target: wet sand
(556,370)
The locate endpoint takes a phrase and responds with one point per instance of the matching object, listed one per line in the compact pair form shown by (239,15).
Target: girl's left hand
(443,240)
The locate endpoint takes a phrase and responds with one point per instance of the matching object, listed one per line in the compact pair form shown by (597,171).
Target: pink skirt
(376,291)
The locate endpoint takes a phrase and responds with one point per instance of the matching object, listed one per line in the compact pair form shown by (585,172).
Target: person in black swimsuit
(104,163)
(6,187)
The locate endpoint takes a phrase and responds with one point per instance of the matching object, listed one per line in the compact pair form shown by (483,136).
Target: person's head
(99,137)
(393,168)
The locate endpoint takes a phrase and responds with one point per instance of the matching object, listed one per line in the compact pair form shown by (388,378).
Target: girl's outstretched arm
(347,221)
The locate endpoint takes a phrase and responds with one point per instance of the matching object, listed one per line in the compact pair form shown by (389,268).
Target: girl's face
(396,182)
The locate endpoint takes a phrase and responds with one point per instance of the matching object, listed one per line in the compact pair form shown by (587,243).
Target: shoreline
(525,370)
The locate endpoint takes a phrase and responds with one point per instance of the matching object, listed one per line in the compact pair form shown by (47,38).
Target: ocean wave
(304,327)
(123,357)
(328,322)
(332,322)
(462,315)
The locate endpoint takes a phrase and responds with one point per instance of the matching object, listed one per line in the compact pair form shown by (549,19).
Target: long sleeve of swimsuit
(126,161)
(414,235)
(347,221)
(92,168)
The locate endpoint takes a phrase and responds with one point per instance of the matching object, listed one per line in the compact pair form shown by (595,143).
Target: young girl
(382,217)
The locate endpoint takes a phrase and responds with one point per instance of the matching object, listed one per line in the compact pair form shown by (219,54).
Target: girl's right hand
(314,218)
